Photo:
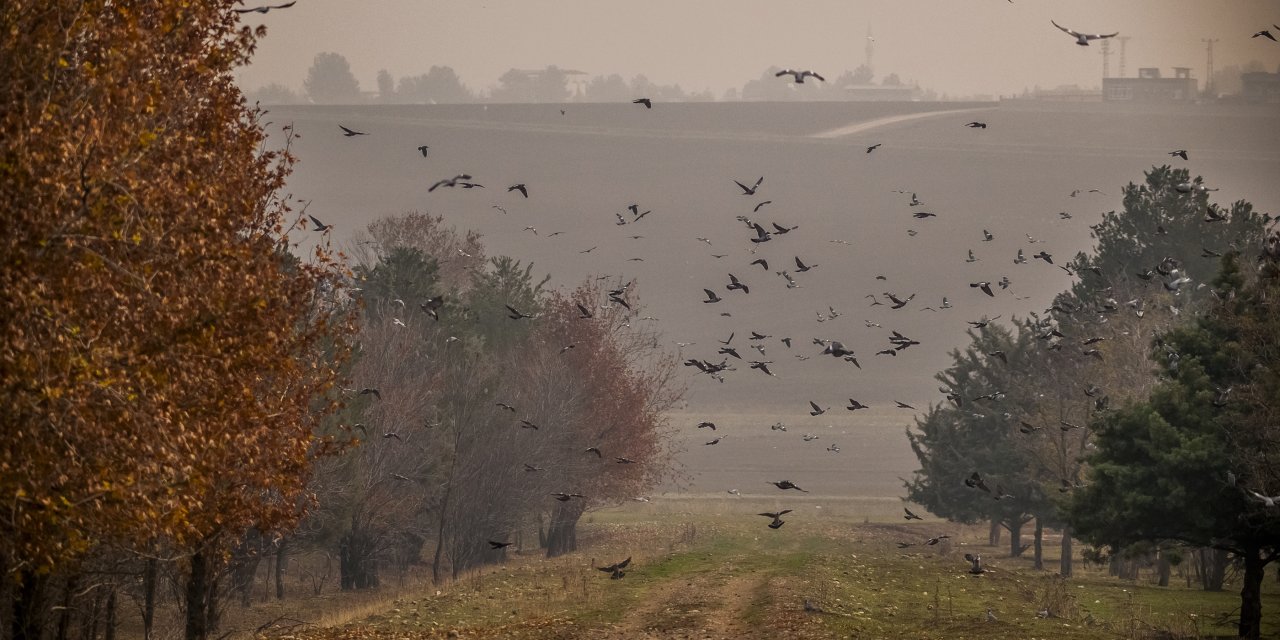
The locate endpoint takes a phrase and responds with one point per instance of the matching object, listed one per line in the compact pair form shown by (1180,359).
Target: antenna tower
(1208,65)
(1123,40)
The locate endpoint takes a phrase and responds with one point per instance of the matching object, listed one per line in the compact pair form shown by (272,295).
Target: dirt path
(709,605)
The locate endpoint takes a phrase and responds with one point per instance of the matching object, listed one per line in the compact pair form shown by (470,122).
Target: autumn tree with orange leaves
(163,359)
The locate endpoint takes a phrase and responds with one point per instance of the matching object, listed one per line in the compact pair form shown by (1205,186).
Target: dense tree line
(178,382)
(1117,414)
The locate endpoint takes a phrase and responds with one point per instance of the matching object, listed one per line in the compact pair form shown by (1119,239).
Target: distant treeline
(330,81)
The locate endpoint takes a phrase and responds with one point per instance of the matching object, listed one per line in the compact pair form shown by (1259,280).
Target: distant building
(1260,86)
(1149,86)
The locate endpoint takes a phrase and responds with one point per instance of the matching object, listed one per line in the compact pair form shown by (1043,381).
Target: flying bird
(786,484)
(799,76)
(777,518)
(707,425)
(1180,153)
(976,125)
(516,314)
(817,411)
(854,405)
(320,226)
(735,284)
(874,147)
(519,187)
(350,132)
(910,516)
(615,570)
(648,104)
(423,149)
(751,190)
(985,286)
(1264,33)
(449,182)
(711,297)
(1083,39)
(266,8)
(499,545)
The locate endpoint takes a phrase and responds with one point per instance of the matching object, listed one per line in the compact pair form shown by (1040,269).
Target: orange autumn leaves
(160,350)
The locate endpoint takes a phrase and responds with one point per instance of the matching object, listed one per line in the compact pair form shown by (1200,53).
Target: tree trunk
(27,619)
(281,557)
(357,564)
(149,573)
(198,597)
(110,633)
(64,616)
(1251,595)
(1015,538)
(562,534)
(1039,548)
(1065,562)
(993,535)
(1163,566)
(1212,567)
(439,554)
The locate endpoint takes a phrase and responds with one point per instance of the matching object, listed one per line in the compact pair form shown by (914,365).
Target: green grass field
(709,576)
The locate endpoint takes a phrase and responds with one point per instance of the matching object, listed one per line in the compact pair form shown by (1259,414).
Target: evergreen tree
(1192,463)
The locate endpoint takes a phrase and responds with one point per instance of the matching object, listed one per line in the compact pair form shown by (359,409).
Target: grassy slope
(715,577)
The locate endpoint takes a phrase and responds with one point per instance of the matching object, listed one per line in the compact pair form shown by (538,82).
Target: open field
(725,575)
(680,160)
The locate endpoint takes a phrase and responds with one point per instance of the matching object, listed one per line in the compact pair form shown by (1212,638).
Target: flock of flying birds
(757,233)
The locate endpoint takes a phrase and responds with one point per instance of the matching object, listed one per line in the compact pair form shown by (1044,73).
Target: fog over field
(680,161)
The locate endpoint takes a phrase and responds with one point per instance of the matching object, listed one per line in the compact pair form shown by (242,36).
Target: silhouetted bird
(648,104)
(976,125)
(519,187)
(499,545)
(1083,39)
(786,484)
(351,132)
(751,190)
(799,76)
(266,8)
(909,515)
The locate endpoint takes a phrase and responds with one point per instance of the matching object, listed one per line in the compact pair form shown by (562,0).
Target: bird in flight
(423,149)
(711,297)
(648,104)
(320,226)
(799,76)
(874,147)
(735,284)
(1179,153)
(516,314)
(910,516)
(985,286)
(903,405)
(266,8)
(499,545)
(854,405)
(351,132)
(1083,39)
(519,187)
(817,411)
(615,570)
(1265,34)
(750,191)
(976,125)
(777,517)
(786,484)
(449,182)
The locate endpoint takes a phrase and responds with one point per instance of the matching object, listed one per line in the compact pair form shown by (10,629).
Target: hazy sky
(951,46)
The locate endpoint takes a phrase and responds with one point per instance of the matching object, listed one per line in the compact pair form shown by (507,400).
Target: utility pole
(1106,58)
(1208,66)
(1123,40)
